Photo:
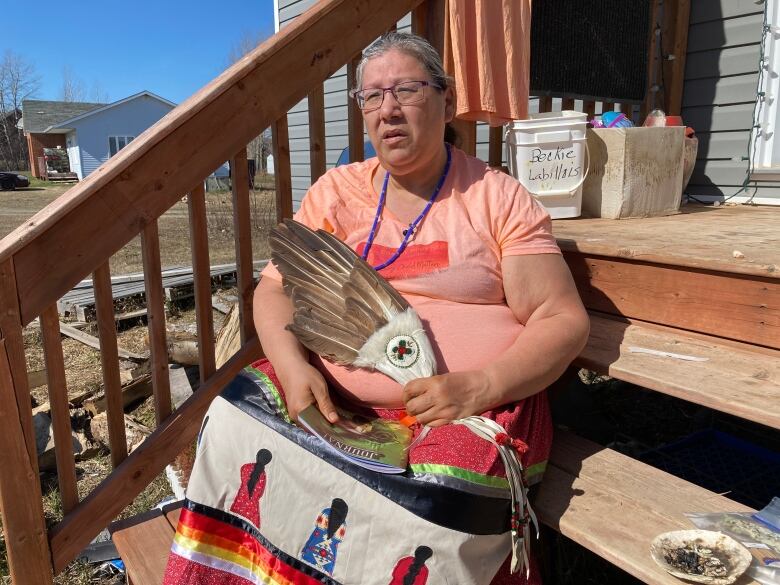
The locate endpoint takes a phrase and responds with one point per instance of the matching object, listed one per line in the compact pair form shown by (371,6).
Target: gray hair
(414,46)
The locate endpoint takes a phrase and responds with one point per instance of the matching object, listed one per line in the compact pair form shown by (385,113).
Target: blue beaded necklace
(412,226)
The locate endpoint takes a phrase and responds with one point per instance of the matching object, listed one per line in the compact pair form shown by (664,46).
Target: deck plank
(737,378)
(615,505)
(701,237)
(143,543)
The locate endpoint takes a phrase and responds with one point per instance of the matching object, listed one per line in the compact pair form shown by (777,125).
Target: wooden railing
(77,234)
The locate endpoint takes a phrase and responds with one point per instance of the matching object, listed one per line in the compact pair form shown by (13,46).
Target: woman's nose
(390,106)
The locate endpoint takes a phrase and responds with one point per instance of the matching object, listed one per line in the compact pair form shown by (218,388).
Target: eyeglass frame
(354,93)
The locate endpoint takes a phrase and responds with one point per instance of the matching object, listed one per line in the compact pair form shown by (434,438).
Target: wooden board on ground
(614,505)
(700,237)
(229,336)
(137,390)
(94,342)
(736,378)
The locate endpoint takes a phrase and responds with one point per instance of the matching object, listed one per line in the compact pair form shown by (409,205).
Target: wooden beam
(545,104)
(355,116)
(150,251)
(109,358)
(714,303)
(94,342)
(317,132)
(150,174)
(97,510)
(282,171)
(676,19)
(60,411)
(589,108)
(567,104)
(20,490)
(242,232)
(201,272)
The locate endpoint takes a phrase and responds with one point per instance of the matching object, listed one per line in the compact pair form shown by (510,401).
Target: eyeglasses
(407,92)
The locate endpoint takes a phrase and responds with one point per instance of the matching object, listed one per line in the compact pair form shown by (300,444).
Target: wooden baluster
(545,104)
(676,43)
(607,107)
(496,146)
(201,270)
(567,104)
(355,116)
(428,20)
(589,107)
(109,357)
(467,130)
(242,234)
(282,172)
(20,489)
(60,413)
(155,307)
(317,132)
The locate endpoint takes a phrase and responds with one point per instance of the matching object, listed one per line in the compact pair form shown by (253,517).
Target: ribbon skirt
(269,503)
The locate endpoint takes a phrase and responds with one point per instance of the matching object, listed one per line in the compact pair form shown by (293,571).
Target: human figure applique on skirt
(412,570)
(322,546)
(253,480)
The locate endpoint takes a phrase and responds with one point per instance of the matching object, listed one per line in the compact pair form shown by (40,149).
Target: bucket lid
(550,118)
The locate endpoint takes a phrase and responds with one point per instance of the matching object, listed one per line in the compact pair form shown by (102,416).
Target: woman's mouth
(393,136)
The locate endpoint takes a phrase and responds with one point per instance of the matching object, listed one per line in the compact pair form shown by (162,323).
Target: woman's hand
(304,385)
(438,400)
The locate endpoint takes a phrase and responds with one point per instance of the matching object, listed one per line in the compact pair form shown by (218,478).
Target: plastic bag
(760,536)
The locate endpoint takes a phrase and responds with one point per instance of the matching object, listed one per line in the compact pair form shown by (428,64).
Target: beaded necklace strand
(412,226)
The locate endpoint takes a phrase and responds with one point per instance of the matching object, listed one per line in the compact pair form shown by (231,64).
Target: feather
(334,344)
(343,309)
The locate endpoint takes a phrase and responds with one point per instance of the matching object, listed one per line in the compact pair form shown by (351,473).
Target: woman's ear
(450,102)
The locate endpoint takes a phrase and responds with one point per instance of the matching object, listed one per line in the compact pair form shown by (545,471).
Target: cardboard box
(634,172)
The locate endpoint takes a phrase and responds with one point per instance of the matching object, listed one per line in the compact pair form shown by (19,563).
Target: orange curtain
(488,52)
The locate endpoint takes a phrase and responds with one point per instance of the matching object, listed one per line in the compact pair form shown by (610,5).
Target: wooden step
(614,505)
(736,378)
(144,542)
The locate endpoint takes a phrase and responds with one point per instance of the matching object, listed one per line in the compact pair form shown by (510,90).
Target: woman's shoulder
(343,184)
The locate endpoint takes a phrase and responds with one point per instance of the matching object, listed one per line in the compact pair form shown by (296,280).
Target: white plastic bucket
(548,154)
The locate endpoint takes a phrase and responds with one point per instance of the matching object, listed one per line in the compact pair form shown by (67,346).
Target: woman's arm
(541,293)
(302,383)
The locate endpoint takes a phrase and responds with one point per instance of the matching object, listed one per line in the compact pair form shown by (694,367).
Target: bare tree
(18,81)
(98,94)
(72,87)
(260,147)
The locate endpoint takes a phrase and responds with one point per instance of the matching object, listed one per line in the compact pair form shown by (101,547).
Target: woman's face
(407,138)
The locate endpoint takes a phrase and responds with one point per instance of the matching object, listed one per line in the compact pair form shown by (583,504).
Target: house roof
(39,115)
(103,107)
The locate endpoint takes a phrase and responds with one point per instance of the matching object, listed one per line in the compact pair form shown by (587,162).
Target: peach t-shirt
(450,272)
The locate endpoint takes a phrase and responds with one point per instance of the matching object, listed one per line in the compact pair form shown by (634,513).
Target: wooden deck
(700,236)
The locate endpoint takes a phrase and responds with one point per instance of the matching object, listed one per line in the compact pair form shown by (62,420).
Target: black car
(10,181)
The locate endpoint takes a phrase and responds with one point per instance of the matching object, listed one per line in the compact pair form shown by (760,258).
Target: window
(117,143)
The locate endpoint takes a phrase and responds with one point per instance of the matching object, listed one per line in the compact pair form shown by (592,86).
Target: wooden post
(467,130)
(155,316)
(282,172)
(355,116)
(242,233)
(676,19)
(109,357)
(567,104)
(496,147)
(201,272)
(653,69)
(317,132)
(29,558)
(428,20)
(589,108)
(545,104)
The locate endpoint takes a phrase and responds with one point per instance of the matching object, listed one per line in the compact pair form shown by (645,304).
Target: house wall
(74,153)
(721,76)
(35,145)
(127,119)
(336,132)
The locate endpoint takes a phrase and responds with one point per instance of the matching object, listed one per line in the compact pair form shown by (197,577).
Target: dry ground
(83,369)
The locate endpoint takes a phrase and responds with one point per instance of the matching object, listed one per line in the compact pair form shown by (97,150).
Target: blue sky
(116,49)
